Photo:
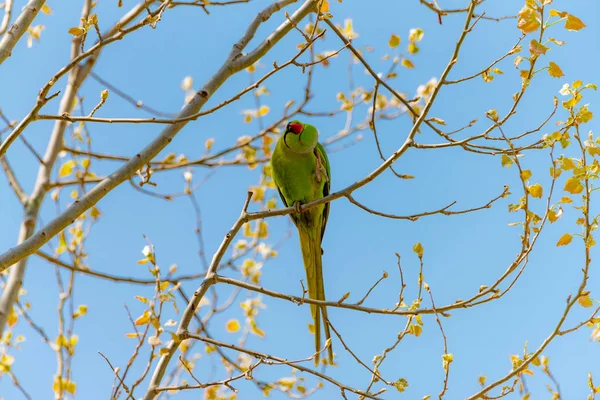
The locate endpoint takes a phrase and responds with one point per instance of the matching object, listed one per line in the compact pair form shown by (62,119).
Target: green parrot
(300,169)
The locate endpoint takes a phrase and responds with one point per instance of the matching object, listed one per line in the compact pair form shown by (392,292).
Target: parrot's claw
(297,206)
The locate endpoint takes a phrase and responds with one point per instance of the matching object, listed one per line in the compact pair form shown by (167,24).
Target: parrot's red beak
(295,128)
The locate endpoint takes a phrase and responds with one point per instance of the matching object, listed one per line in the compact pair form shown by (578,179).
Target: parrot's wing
(323,155)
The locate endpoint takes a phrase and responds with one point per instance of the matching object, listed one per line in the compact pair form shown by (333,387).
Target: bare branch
(8,6)
(13,181)
(136,103)
(443,210)
(110,277)
(18,29)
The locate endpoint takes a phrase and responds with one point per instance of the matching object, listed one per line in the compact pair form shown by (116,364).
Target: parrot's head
(300,137)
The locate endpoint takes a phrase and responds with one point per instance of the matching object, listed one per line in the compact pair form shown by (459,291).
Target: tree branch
(13,181)
(18,29)
(8,6)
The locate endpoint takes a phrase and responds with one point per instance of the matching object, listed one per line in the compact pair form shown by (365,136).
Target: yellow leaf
(263,110)
(263,231)
(76,31)
(73,341)
(46,9)
(418,249)
(413,48)
(248,230)
(506,161)
(401,384)
(545,361)
(81,311)
(132,335)
(415,35)
(70,387)
(573,185)
(95,213)
(564,240)
(184,346)
(536,48)
(527,372)
(528,20)
(555,13)
(407,63)
(348,29)
(394,41)
(518,60)
(554,70)
(61,341)
(251,68)
(535,190)
(585,115)
(585,301)
(209,143)
(232,326)
(255,329)
(526,174)
(12,318)
(492,114)
(573,23)
(143,319)
(556,42)
(567,163)
(324,6)
(67,168)
(553,216)
(415,330)
(481,380)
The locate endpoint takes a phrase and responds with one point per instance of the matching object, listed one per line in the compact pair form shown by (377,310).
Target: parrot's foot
(320,169)
(297,206)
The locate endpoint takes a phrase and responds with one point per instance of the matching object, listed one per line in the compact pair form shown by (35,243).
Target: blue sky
(461,252)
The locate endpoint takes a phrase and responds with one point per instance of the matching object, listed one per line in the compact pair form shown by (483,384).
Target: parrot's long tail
(311,253)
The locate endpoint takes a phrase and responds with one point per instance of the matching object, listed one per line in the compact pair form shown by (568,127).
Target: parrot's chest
(296,177)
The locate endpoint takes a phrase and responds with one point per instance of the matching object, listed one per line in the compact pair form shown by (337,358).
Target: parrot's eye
(295,128)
